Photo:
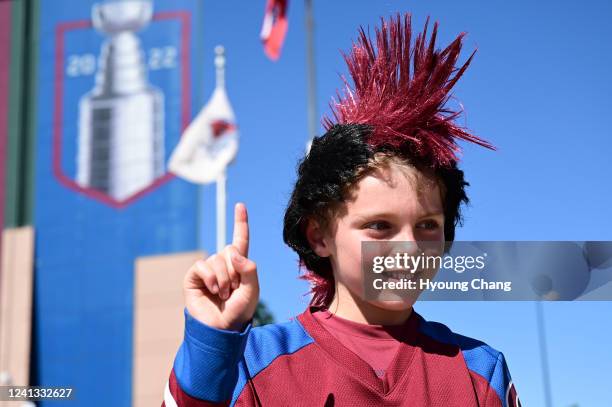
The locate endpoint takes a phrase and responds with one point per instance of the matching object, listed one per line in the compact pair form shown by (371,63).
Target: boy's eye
(377,225)
(428,225)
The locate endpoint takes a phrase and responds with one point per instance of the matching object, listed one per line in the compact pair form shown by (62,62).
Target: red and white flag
(210,142)
(274,27)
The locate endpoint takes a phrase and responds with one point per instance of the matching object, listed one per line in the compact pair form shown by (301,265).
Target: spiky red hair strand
(401,90)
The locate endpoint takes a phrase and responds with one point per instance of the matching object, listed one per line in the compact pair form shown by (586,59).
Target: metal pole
(310,73)
(221,179)
(543,353)
(200,216)
(221,212)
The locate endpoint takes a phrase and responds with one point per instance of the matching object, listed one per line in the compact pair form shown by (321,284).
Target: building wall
(87,239)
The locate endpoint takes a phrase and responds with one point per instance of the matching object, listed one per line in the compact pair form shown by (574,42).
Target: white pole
(220,65)
(200,217)
(221,205)
(221,179)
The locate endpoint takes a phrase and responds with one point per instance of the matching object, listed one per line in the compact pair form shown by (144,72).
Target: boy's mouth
(399,275)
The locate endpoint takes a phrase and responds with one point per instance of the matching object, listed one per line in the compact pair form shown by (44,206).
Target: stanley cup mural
(121,120)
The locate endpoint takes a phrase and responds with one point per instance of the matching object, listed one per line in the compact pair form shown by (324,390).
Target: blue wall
(86,247)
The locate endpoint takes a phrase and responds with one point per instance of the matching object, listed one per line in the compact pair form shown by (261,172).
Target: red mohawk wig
(403,106)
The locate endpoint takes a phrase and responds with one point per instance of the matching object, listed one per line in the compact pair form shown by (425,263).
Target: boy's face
(396,203)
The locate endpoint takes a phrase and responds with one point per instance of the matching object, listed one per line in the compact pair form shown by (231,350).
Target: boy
(385,170)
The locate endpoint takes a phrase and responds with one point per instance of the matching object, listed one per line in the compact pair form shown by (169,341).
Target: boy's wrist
(213,337)
(206,363)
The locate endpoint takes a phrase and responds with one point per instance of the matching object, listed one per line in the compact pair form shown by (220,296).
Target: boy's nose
(401,246)
(405,235)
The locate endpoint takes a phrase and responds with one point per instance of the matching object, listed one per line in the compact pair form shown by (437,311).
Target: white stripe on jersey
(168,399)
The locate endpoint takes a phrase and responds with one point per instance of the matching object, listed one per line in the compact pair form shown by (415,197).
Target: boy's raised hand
(223,291)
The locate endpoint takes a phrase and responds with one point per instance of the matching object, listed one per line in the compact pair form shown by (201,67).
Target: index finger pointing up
(241,229)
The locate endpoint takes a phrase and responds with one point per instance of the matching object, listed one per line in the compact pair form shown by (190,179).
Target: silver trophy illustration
(121,120)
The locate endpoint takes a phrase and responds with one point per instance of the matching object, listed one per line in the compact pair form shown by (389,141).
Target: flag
(210,142)
(274,27)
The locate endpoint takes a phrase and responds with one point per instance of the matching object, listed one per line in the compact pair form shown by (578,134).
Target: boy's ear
(316,238)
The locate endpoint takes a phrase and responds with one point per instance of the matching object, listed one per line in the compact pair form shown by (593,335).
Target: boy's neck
(348,306)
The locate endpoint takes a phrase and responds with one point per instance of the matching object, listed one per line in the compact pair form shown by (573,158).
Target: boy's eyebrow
(433,214)
(370,215)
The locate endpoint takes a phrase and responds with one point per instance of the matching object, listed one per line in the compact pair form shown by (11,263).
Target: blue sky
(538,89)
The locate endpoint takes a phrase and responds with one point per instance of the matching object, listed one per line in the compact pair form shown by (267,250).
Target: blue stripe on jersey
(265,344)
(479,357)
